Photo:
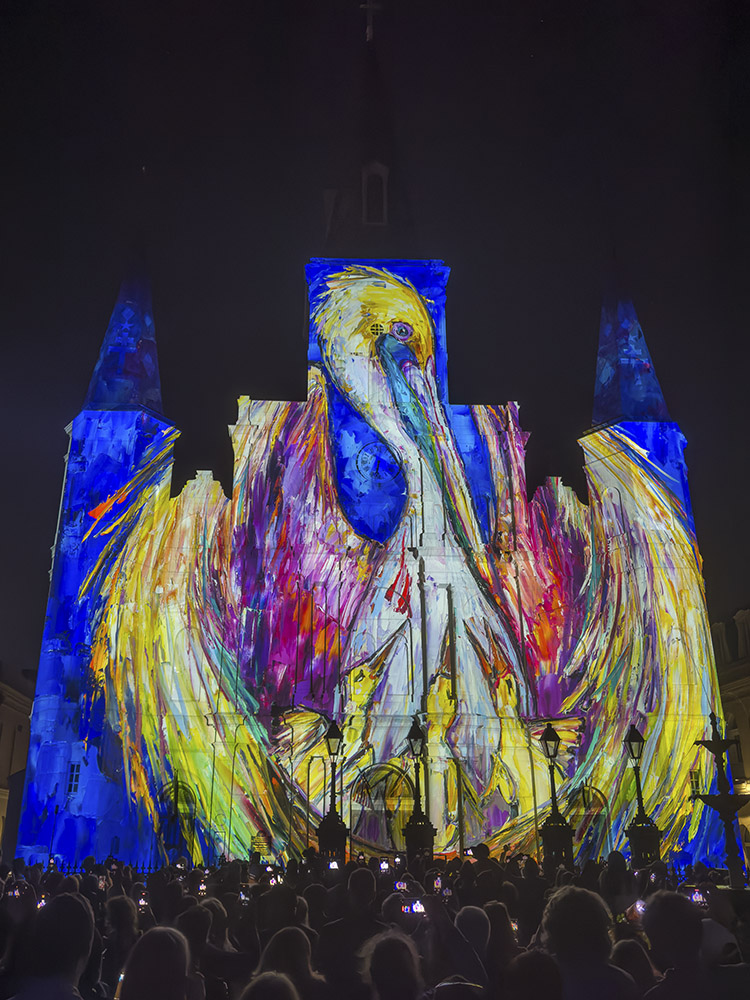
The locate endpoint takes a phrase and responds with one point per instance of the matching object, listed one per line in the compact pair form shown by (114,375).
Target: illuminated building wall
(378,558)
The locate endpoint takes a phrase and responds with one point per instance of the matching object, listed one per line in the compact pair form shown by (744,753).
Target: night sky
(536,146)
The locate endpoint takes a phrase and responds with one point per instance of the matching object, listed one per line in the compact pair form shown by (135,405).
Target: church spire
(627,388)
(126,376)
(370,9)
(367,213)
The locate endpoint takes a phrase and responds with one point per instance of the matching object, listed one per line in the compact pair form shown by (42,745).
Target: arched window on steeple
(375,194)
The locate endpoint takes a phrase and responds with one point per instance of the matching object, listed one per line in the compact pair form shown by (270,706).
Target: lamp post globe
(550,742)
(557,835)
(333,832)
(643,834)
(334,739)
(634,744)
(418,831)
(415,738)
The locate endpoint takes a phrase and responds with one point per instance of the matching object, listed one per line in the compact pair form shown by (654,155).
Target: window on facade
(74,774)
(695,782)
(736,762)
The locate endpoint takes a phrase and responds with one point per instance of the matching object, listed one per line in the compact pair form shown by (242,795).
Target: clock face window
(376,462)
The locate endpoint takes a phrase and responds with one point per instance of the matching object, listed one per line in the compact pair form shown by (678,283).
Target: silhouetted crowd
(476,928)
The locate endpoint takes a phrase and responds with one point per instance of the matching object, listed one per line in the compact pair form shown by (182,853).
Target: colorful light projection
(378,558)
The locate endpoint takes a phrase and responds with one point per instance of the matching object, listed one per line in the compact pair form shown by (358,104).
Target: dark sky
(533,140)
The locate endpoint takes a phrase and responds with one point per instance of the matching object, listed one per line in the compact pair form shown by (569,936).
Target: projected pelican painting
(378,558)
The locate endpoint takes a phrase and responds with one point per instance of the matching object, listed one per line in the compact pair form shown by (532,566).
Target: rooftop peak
(626,384)
(126,376)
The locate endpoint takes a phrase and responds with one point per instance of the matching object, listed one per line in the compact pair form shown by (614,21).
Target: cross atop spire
(126,376)
(371,9)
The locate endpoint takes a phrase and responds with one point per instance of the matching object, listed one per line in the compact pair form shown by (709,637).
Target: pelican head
(366,316)
(377,343)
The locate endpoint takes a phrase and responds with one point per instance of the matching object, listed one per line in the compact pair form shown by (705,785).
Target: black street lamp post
(557,836)
(333,832)
(418,831)
(643,833)
(726,803)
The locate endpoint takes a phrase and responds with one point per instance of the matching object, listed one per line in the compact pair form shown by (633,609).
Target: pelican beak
(415,393)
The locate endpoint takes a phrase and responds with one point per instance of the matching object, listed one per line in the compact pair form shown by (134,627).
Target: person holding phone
(577,930)
(60,942)
(392,967)
(341,940)
(158,968)
(288,952)
(453,953)
(532,894)
(503,944)
(675,929)
(121,922)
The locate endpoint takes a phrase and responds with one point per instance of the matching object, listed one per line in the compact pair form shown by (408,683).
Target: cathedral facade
(378,559)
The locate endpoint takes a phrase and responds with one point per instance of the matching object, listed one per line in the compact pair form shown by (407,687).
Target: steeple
(627,388)
(367,213)
(126,376)
(376,139)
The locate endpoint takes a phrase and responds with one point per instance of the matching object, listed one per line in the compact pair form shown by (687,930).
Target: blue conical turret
(627,388)
(126,376)
(119,438)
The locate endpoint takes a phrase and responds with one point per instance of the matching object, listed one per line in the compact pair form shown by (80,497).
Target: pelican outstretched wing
(215,608)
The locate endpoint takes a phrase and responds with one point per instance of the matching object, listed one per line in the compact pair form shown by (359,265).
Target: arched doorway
(588,814)
(177,808)
(382,799)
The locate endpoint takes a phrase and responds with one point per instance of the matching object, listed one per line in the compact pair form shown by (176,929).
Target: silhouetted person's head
(481,852)
(530,868)
(219,918)
(279,906)
(392,909)
(502,936)
(474,924)
(361,888)
(70,884)
(62,937)
(701,872)
(392,966)
(590,870)
(270,986)
(467,870)
(577,925)
(672,924)
(533,974)
(288,952)
(631,957)
(316,896)
(616,863)
(157,967)
(195,924)
(122,916)
(512,868)
(53,881)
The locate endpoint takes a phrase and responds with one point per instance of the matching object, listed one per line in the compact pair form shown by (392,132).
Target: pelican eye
(401,331)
